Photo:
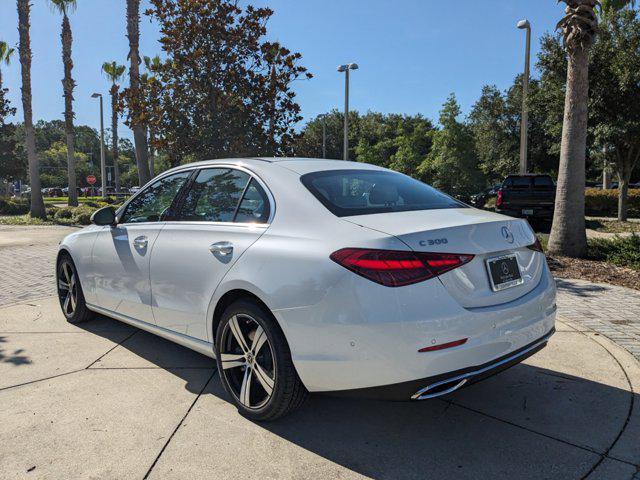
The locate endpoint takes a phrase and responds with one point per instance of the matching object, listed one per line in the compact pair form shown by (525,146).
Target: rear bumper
(542,213)
(360,340)
(445,383)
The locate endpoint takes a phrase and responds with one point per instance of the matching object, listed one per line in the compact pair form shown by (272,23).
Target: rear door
(121,254)
(223,212)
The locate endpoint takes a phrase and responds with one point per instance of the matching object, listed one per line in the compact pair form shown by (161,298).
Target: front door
(121,254)
(223,213)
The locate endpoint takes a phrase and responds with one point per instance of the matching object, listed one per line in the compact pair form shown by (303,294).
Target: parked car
(304,275)
(480,199)
(527,196)
(133,190)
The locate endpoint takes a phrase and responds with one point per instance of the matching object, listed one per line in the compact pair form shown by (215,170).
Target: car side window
(254,207)
(152,204)
(214,195)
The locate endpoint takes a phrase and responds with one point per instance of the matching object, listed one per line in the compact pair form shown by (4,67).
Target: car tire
(70,294)
(255,364)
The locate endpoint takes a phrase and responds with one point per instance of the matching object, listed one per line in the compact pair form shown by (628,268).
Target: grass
(619,251)
(80,199)
(23,220)
(613,226)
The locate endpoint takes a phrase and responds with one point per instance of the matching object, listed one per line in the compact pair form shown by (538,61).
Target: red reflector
(442,346)
(536,246)
(394,268)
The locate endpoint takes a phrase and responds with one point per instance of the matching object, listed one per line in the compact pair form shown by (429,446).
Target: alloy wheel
(67,288)
(248,362)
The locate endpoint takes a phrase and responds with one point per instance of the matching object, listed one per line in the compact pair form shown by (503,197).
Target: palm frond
(63,6)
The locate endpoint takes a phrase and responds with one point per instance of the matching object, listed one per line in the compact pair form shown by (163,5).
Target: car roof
(299,165)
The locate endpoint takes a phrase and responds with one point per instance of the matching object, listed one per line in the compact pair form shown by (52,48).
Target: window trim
(252,175)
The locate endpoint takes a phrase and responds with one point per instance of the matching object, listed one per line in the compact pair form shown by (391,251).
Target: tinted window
(214,195)
(254,207)
(545,182)
(152,204)
(362,192)
(517,182)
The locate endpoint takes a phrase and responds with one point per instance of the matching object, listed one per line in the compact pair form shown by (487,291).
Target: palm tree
(63,7)
(579,26)
(5,56)
(139,133)
(37,204)
(114,72)
(152,64)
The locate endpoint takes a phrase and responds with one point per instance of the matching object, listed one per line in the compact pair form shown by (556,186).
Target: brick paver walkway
(609,310)
(606,309)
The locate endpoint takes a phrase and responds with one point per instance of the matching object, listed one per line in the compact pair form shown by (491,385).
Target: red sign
(91,179)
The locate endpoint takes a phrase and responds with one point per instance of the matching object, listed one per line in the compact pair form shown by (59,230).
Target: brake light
(393,268)
(499,198)
(536,246)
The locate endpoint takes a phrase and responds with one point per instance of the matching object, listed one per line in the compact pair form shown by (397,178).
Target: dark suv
(527,196)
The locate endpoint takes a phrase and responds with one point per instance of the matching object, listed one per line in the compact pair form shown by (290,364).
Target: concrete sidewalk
(105,400)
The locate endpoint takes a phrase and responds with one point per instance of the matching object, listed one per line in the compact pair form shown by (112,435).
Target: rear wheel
(70,293)
(255,364)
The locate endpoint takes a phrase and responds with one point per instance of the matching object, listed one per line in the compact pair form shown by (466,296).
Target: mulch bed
(594,271)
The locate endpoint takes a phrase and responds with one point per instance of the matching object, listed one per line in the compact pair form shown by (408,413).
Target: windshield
(363,192)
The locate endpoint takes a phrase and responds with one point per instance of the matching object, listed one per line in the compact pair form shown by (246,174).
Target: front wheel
(70,293)
(255,364)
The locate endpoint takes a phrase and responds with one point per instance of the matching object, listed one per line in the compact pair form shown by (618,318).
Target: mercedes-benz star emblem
(507,235)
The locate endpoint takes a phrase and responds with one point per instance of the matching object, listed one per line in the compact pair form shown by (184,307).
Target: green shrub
(82,215)
(63,213)
(13,207)
(621,251)
(604,203)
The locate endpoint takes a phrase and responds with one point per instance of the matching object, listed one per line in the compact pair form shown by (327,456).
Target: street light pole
(524,137)
(345,69)
(103,172)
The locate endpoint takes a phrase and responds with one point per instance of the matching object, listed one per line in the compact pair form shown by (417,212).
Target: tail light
(393,268)
(499,198)
(536,246)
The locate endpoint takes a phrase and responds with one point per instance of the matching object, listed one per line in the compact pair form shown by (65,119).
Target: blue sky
(412,53)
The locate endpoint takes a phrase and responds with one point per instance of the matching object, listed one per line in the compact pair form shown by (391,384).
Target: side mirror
(104,216)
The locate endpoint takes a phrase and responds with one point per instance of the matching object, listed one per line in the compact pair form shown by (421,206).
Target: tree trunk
(568,235)
(624,164)
(37,203)
(114,135)
(139,131)
(152,154)
(67,85)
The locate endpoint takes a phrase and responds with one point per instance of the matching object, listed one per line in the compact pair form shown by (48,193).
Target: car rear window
(545,182)
(364,192)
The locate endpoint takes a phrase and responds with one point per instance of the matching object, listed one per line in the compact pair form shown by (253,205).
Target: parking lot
(105,400)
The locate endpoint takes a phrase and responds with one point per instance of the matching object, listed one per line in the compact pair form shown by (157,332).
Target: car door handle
(140,242)
(223,248)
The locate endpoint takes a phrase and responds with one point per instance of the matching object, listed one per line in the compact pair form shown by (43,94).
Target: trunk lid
(486,235)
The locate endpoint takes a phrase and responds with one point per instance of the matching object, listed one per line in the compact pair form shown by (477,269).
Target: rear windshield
(364,192)
(540,182)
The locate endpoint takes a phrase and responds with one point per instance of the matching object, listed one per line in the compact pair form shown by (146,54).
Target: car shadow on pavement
(580,289)
(557,425)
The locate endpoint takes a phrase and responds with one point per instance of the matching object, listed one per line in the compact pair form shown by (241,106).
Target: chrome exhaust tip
(439,388)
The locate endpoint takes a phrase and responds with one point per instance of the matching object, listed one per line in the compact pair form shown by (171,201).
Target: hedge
(604,203)
(13,207)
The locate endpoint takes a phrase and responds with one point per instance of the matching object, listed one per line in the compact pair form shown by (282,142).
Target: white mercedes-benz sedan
(304,275)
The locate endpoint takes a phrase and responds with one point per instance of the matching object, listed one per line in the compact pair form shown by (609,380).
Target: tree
(452,165)
(616,95)
(134,97)
(214,97)
(568,235)
(8,164)
(68,84)
(37,203)
(151,88)
(114,72)
(5,57)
